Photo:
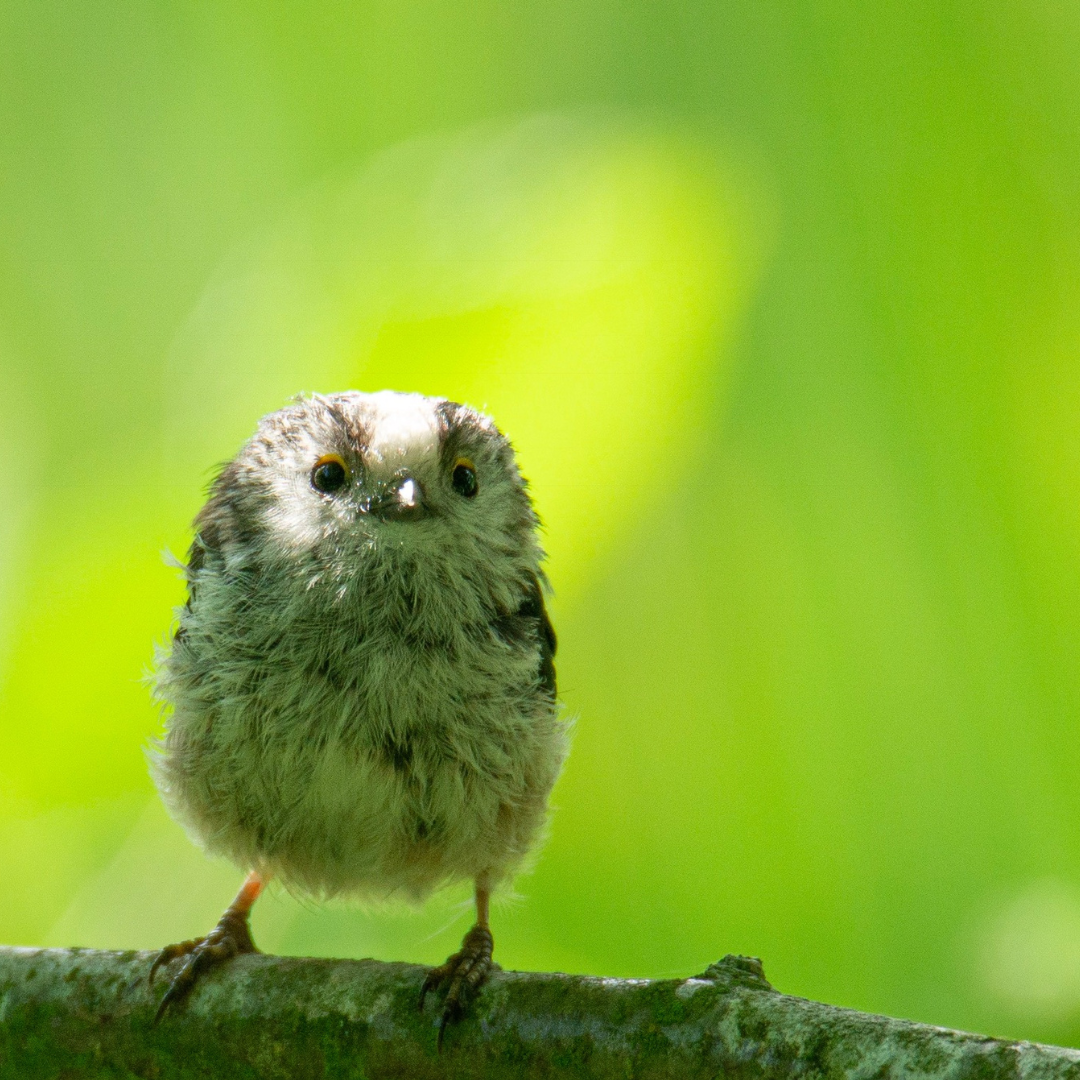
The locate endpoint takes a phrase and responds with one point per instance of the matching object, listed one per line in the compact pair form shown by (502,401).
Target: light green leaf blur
(779,306)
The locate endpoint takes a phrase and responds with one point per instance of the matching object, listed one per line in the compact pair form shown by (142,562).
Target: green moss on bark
(79,1013)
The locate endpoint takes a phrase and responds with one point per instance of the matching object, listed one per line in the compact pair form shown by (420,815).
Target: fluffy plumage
(362,685)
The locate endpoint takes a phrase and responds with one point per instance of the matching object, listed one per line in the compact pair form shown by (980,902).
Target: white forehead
(406,426)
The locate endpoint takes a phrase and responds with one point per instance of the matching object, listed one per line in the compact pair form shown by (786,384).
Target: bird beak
(402,499)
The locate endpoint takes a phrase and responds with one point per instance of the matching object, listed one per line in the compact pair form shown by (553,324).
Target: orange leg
(231,937)
(483,898)
(467,970)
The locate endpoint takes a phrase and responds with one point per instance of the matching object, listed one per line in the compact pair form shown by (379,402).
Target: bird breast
(358,755)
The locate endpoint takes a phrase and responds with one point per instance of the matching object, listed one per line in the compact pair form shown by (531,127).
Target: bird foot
(462,975)
(231,937)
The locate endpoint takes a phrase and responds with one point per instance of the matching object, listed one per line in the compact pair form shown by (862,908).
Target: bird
(359,694)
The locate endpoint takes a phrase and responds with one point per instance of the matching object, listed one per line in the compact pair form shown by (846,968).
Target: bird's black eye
(464,479)
(329,474)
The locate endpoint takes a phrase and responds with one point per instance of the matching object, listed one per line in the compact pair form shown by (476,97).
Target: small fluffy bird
(362,681)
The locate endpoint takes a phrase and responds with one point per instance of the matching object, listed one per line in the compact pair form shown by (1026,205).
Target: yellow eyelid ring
(463,478)
(329,474)
(326,459)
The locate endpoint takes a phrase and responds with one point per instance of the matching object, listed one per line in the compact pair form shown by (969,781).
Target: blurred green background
(779,304)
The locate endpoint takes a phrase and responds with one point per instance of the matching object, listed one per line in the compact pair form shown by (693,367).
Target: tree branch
(81,1013)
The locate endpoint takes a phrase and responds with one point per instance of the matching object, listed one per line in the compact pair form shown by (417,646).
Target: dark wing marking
(196,558)
(548,642)
(529,623)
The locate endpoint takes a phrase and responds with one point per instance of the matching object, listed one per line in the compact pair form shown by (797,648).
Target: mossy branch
(81,1013)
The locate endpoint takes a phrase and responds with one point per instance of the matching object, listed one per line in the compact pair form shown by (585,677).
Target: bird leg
(229,938)
(467,970)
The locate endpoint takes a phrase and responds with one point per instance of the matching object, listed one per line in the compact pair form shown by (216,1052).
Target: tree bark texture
(76,1013)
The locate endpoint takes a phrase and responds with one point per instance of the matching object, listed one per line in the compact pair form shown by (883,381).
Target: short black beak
(401,500)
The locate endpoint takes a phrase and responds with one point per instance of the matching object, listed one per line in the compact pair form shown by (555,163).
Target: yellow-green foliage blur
(781,307)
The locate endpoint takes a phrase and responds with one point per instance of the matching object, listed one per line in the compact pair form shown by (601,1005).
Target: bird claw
(231,937)
(463,974)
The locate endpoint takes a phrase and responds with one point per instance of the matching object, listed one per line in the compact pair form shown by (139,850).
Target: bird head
(377,492)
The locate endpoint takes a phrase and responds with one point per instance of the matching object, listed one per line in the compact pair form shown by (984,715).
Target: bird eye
(329,474)
(464,479)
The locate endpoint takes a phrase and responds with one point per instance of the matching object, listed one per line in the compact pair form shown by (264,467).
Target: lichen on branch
(81,1013)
